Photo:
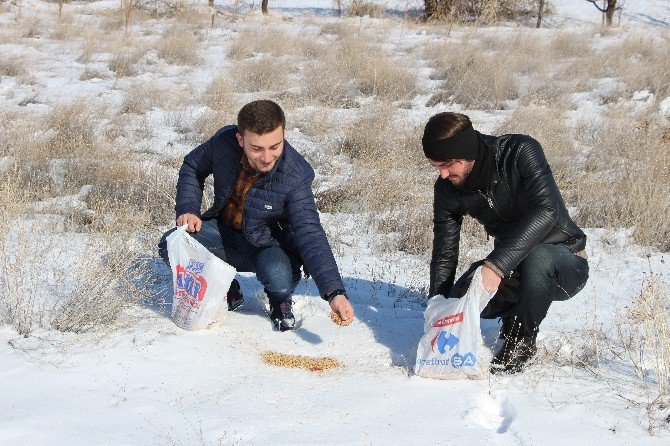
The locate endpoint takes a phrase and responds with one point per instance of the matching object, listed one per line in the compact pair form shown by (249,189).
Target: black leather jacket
(521,208)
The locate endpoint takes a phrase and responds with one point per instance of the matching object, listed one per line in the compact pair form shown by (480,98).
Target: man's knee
(539,263)
(162,246)
(275,270)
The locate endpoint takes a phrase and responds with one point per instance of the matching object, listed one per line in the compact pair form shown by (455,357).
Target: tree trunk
(539,14)
(609,13)
(264,7)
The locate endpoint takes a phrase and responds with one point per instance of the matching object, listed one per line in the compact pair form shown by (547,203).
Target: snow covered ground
(150,383)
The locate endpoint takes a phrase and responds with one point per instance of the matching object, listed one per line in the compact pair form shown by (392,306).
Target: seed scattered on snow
(337,319)
(300,362)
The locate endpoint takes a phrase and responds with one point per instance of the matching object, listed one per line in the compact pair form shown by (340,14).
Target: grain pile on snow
(300,362)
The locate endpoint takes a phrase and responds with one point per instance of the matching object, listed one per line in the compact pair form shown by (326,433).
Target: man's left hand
(342,313)
(490,279)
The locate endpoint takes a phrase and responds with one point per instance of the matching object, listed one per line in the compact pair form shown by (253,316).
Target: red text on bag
(449,320)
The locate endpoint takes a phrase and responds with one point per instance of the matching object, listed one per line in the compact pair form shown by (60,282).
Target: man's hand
(193,221)
(490,279)
(342,313)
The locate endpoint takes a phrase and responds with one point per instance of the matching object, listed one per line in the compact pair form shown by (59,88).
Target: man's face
(456,171)
(262,151)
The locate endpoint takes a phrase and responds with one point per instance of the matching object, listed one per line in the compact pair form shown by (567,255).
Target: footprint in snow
(493,413)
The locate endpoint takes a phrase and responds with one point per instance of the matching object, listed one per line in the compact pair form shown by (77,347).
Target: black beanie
(463,145)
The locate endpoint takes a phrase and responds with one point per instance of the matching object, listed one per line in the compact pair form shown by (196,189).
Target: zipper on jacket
(489,200)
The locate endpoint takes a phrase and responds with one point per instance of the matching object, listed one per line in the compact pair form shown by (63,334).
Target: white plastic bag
(200,282)
(452,345)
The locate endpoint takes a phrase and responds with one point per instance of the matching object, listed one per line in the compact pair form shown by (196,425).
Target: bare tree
(539,14)
(608,8)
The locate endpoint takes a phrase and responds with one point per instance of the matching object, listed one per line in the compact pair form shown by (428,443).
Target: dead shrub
(94,42)
(126,55)
(251,42)
(473,78)
(263,73)
(569,44)
(69,27)
(484,11)
(179,46)
(627,183)
(142,97)
(339,76)
(11,66)
(641,62)
(64,282)
(89,74)
(645,65)
(221,93)
(73,128)
(361,8)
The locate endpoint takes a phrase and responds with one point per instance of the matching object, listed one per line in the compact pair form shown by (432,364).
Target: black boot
(281,315)
(506,329)
(514,354)
(234,296)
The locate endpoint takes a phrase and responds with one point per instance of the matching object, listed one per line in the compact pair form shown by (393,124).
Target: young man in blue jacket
(264,218)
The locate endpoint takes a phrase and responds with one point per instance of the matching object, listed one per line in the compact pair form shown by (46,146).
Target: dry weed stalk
(651,311)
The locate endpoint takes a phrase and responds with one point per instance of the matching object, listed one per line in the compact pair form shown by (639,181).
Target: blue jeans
(549,273)
(277,269)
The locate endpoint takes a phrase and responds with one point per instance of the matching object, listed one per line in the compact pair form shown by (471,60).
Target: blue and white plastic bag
(200,282)
(452,345)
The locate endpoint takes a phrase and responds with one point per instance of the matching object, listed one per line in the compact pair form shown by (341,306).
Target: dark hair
(445,125)
(260,117)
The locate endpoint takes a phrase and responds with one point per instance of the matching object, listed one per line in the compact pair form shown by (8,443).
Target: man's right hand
(193,221)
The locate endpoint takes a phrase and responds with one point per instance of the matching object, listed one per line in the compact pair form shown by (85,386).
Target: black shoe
(234,296)
(514,354)
(282,315)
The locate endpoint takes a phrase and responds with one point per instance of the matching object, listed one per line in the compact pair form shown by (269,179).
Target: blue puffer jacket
(279,209)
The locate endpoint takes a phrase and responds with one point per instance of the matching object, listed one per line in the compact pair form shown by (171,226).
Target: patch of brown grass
(179,46)
(338,77)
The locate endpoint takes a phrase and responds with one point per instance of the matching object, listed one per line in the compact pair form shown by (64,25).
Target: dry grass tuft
(263,73)
(252,42)
(126,55)
(471,77)
(11,66)
(627,183)
(361,8)
(320,364)
(651,311)
(142,97)
(339,76)
(179,46)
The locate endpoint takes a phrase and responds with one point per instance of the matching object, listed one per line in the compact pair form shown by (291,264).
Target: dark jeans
(278,270)
(549,273)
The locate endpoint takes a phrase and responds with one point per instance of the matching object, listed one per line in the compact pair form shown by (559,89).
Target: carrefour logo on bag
(443,339)
(449,320)
(466,360)
(191,286)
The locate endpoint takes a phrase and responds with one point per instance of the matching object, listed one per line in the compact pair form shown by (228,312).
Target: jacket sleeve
(543,201)
(446,238)
(310,238)
(197,166)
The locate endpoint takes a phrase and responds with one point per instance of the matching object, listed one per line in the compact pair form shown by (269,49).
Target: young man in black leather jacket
(538,257)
